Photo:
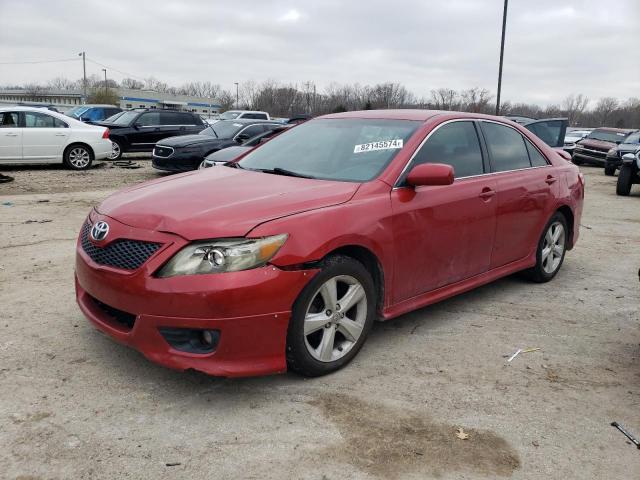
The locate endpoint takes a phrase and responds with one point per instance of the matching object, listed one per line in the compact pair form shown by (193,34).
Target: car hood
(190,140)
(596,144)
(220,202)
(228,154)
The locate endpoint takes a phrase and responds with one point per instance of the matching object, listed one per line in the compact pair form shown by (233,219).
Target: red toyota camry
(286,257)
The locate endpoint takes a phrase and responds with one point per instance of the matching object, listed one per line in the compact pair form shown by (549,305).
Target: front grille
(125,254)
(159,151)
(128,319)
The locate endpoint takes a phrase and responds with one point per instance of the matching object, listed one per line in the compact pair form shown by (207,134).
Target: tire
(116,151)
(609,170)
(78,157)
(547,266)
(625,180)
(576,161)
(322,339)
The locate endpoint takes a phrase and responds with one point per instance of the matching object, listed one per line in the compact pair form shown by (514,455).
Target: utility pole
(105,81)
(237,96)
(504,26)
(84,76)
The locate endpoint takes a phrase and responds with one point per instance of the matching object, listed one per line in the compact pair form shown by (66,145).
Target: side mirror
(430,174)
(136,125)
(242,137)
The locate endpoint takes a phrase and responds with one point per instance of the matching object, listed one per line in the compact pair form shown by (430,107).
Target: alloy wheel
(115,151)
(79,157)
(553,247)
(335,318)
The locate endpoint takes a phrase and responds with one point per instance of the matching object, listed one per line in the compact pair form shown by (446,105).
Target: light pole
(504,26)
(105,80)
(237,96)
(209,98)
(84,76)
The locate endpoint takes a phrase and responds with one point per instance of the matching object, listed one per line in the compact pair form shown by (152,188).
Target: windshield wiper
(233,164)
(283,171)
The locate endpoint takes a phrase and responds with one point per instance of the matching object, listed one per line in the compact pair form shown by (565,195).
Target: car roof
(615,130)
(412,114)
(98,105)
(246,121)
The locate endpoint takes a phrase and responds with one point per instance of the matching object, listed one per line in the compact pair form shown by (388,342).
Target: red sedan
(286,257)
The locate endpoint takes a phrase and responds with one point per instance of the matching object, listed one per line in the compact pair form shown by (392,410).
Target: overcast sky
(553,47)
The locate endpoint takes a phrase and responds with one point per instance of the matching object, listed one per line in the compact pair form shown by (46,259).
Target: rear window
(607,136)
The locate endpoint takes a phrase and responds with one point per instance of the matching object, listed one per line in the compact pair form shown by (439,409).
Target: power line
(39,61)
(115,69)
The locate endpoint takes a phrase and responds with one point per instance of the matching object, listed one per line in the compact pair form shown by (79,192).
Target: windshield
(355,150)
(113,117)
(222,129)
(633,138)
(126,118)
(607,136)
(77,111)
(230,115)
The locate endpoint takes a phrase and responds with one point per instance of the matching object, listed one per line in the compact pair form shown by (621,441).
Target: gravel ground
(74,404)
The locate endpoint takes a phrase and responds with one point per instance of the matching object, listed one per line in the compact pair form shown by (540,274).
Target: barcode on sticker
(381,145)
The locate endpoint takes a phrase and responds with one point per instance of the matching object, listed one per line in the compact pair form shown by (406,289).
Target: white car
(31,135)
(249,114)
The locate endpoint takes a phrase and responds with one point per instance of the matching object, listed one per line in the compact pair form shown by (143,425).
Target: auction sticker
(381,145)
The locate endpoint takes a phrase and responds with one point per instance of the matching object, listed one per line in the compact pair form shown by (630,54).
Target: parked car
(93,113)
(614,156)
(50,107)
(572,137)
(286,257)
(594,147)
(247,114)
(139,130)
(186,152)
(30,135)
(232,153)
(629,172)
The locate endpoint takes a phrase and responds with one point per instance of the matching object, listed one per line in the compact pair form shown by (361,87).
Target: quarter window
(150,119)
(506,147)
(454,144)
(537,159)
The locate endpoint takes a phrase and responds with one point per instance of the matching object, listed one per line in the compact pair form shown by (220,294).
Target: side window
(149,119)
(9,120)
(186,119)
(454,144)
(170,118)
(506,147)
(549,131)
(57,123)
(252,131)
(38,120)
(537,159)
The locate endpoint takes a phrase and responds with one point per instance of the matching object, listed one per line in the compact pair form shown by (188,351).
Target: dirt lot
(74,404)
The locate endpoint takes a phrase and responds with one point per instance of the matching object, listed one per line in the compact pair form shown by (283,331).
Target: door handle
(60,135)
(550,179)
(487,193)
(12,134)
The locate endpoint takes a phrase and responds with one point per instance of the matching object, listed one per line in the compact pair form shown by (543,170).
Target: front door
(10,137)
(147,131)
(43,137)
(444,234)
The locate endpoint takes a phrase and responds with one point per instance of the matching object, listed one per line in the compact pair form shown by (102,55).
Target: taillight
(105,134)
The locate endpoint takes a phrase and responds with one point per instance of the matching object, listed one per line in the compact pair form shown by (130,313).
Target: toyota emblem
(100,231)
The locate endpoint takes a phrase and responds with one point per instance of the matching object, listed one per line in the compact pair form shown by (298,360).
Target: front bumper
(177,162)
(250,309)
(590,156)
(613,161)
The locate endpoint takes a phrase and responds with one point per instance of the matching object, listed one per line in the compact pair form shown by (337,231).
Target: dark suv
(139,130)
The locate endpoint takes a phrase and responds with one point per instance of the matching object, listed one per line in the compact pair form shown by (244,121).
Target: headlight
(612,151)
(227,255)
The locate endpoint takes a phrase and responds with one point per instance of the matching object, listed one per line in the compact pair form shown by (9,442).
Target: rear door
(43,136)
(10,137)
(550,130)
(444,234)
(526,187)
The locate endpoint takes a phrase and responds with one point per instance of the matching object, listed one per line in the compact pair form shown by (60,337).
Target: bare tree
(604,108)
(476,100)
(226,99)
(132,83)
(445,99)
(574,106)
(61,83)
(200,89)
(152,83)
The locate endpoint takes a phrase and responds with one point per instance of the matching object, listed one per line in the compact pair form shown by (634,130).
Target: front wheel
(331,317)
(78,157)
(116,151)
(625,180)
(552,247)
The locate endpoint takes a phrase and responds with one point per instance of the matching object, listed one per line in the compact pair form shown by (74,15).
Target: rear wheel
(551,249)
(78,157)
(116,151)
(331,317)
(610,170)
(625,180)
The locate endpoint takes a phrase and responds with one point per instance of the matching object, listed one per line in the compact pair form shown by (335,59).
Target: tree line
(288,99)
